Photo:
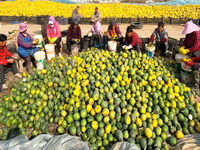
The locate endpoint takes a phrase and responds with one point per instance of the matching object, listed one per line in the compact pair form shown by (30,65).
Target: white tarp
(56,142)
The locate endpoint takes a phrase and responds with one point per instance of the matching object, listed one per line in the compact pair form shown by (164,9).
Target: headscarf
(52,19)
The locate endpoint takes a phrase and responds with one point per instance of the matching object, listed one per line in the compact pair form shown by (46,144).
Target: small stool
(19,62)
(96,44)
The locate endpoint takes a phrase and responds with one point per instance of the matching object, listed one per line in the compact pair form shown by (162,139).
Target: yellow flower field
(117,10)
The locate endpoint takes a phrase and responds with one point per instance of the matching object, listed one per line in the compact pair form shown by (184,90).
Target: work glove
(185,51)
(49,39)
(53,39)
(189,63)
(124,46)
(181,49)
(112,38)
(36,41)
(185,59)
(77,40)
(128,47)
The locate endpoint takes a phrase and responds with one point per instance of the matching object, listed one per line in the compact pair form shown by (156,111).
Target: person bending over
(159,38)
(132,40)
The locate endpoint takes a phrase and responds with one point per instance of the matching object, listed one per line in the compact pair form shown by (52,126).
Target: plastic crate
(118,20)
(184,20)
(145,40)
(41,19)
(175,21)
(157,20)
(149,20)
(173,46)
(63,21)
(64,33)
(196,21)
(166,20)
(143,20)
(126,20)
(85,20)
(181,41)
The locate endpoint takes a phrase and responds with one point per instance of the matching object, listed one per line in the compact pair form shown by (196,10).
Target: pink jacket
(53,31)
(96,28)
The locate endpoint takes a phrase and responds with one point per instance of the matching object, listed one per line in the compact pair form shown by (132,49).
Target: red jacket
(74,33)
(196,59)
(4,53)
(192,41)
(133,40)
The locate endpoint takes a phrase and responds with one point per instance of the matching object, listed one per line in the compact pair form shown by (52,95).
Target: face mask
(51,25)
(25,34)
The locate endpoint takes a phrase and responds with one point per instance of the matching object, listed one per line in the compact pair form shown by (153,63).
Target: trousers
(5,69)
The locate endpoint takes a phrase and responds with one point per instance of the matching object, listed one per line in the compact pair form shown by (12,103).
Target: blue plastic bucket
(150,53)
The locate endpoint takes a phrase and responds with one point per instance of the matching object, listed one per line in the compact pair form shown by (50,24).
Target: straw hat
(190,27)
(94,18)
(75,21)
(22,27)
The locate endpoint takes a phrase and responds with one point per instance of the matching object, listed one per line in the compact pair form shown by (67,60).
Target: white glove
(129,47)
(124,46)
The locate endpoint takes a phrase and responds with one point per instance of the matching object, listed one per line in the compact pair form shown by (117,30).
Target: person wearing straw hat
(26,46)
(74,36)
(76,14)
(96,30)
(53,34)
(159,37)
(191,43)
(7,60)
(97,14)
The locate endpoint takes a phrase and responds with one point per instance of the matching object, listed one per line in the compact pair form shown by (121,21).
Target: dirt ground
(174,31)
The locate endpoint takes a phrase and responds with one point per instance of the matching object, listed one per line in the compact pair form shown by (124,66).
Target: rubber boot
(196,78)
(118,47)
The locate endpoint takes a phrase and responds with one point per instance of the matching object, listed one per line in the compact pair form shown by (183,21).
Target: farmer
(96,32)
(74,36)
(53,34)
(195,64)
(191,44)
(114,33)
(26,46)
(6,61)
(159,38)
(97,14)
(132,40)
(76,14)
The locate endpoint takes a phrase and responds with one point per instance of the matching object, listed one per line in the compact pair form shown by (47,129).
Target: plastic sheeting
(45,142)
(124,146)
(56,142)
(178,2)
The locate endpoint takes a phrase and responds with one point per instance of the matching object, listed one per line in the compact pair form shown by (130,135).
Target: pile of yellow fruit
(117,10)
